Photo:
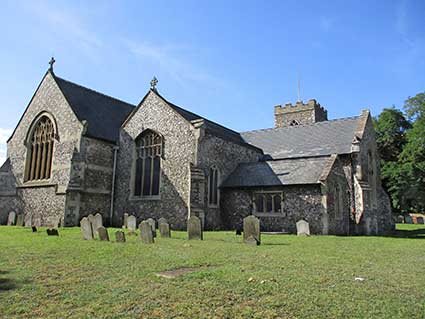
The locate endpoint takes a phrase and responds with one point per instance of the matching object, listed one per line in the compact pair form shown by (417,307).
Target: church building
(76,152)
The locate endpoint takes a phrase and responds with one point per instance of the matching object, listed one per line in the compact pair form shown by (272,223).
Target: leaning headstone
(120,236)
(34,229)
(420,220)
(103,233)
(52,232)
(151,222)
(251,230)
(194,228)
(164,229)
(86,229)
(125,219)
(303,228)
(131,223)
(11,219)
(96,223)
(28,220)
(91,220)
(20,220)
(408,219)
(146,233)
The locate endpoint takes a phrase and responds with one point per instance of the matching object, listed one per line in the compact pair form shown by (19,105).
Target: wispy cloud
(66,23)
(4,135)
(169,59)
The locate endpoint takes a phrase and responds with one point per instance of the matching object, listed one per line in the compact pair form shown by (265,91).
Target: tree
(391,127)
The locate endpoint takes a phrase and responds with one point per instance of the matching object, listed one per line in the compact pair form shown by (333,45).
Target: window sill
(33,184)
(269,215)
(145,198)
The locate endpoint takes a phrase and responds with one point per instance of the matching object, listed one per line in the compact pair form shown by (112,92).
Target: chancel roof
(293,171)
(317,139)
(104,114)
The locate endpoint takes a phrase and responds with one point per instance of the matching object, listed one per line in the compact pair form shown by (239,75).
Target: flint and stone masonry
(324,172)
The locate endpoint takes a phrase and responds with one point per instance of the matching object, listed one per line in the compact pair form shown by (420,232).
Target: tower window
(294,123)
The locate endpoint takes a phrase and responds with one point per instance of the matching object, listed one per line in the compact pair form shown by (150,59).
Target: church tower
(299,114)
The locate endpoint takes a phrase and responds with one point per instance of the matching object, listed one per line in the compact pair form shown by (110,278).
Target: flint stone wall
(300,202)
(178,153)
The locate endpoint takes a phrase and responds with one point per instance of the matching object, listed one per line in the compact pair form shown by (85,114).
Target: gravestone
(20,220)
(86,229)
(90,217)
(400,219)
(96,223)
(11,219)
(408,219)
(420,220)
(120,236)
(124,224)
(28,220)
(52,232)
(34,229)
(194,228)
(131,223)
(103,233)
(151,222)
(146,233)
(251,230)
(303,228)
(164,228)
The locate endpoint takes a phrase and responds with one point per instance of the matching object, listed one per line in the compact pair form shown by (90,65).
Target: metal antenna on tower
(299,89)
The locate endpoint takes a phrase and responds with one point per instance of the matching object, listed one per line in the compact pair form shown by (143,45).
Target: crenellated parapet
(299,113)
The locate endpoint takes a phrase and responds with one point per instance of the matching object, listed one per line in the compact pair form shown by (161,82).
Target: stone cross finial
(52,61)
(154,82)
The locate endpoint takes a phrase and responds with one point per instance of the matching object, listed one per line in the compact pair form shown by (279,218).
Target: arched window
(213,195)
(40,150)
(294,123)
(148,164)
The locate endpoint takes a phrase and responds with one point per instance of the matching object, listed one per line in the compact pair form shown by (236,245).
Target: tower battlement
(299,113)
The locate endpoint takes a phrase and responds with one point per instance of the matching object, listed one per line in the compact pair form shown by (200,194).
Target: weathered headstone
(251,230)
(194,228)
(303,228)
(52,232)
(103,233)
(124,224)
(28,220)
(20,220)
(146,233)
(408,219)
(151,222)
(131,223)
(96,223)
(34,229)
(90,217)
(400,219)
(164,228)
(86,229)
(11,219)
(120,236)
(420,220)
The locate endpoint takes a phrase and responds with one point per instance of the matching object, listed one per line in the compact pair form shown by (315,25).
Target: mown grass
(285,277)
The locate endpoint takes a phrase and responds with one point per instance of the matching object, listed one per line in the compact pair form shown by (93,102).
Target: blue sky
(230,61)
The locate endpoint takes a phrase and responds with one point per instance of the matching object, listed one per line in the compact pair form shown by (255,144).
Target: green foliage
(402,148)
(286,277)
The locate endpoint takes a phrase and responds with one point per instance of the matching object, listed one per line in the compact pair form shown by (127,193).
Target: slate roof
(318,139)
(296,171)
(210,126)
(104,114)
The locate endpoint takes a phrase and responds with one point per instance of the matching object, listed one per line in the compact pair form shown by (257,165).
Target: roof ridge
(94,91)
(303,125)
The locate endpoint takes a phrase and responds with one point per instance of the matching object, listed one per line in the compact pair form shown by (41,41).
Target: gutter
(111,213)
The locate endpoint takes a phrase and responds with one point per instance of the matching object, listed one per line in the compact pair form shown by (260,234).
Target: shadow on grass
(415,234)
(7,284)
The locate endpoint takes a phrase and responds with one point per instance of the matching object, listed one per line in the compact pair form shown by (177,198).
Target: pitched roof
(104,114)
(294,171)
(210,126)
(318,139)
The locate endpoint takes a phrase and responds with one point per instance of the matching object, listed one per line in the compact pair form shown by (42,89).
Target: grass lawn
(286,277)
